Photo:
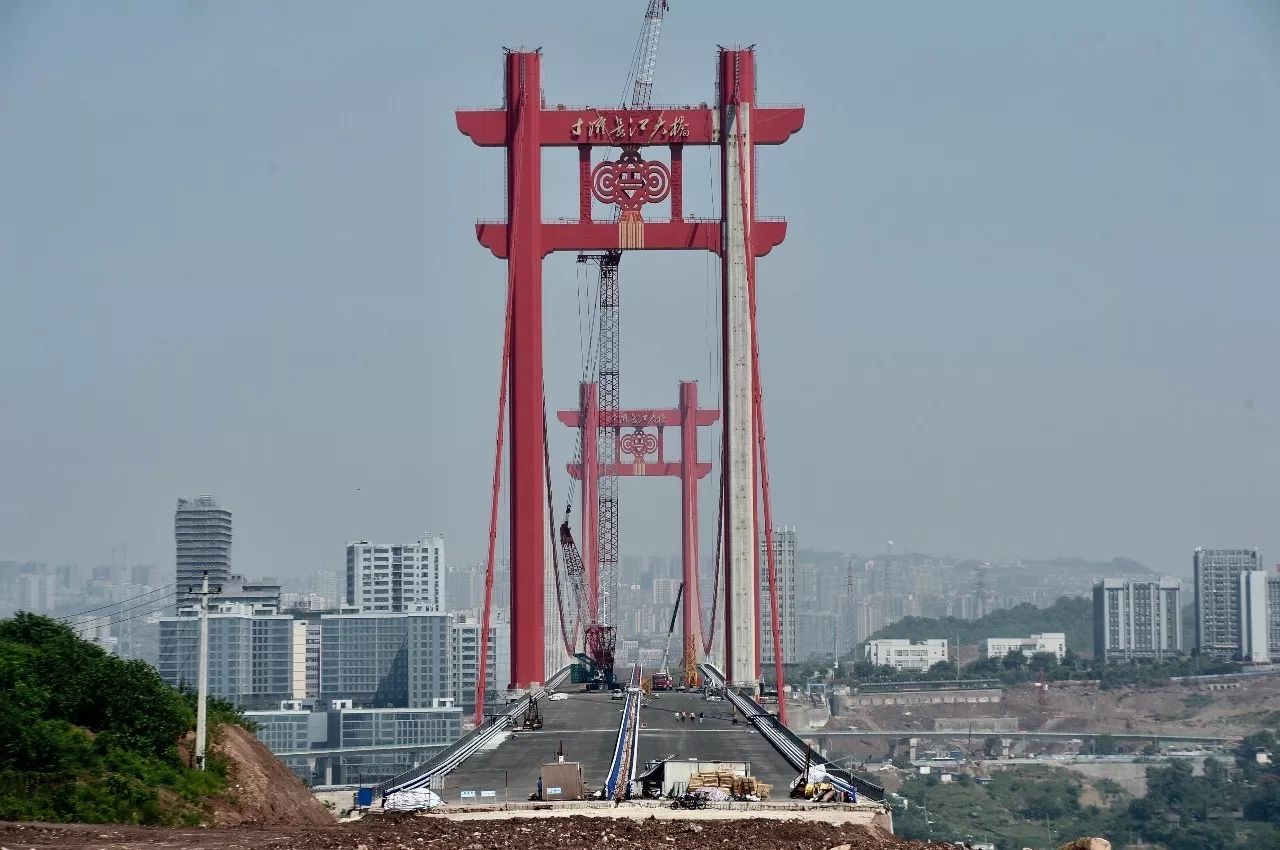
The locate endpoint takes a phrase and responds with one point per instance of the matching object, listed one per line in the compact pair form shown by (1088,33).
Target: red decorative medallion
(631,182)
(638,444)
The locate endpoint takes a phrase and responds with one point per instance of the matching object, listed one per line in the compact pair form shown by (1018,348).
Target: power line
(106,619)
(114,604)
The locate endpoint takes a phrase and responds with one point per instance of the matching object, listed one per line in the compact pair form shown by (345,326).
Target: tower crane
(637,94)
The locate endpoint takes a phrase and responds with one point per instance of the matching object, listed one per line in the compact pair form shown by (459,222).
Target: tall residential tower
(1217,578)
(396,578)
(202,532)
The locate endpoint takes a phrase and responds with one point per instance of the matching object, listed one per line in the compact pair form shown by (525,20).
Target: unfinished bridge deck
(714,739)
(586,724)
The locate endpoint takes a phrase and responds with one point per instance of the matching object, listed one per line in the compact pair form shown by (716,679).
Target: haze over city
(1018,313)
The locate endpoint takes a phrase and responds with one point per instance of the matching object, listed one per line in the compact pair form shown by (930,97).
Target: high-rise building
(36,593)
(1217,578)
(784,545)
(665,591)
(324,583)
(202,532)
(396,578)
(254,654)
(817,635)
(386,660)
(466,661)
(464,586)
(1137,618)
(1255,632)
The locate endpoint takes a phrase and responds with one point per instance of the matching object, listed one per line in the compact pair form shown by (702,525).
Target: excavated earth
(421,832)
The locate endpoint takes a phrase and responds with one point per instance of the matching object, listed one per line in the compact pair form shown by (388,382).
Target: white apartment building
(1255,617)
(1054,642)
(396,578)
(904,654)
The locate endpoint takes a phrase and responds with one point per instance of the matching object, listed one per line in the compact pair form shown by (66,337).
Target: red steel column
(689,517)
(590,403)
(524,265)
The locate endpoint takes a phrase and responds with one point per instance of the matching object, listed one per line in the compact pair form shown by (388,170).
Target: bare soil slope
(261,791)
(1186,709)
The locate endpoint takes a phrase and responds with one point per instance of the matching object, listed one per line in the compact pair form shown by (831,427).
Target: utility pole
(202,676)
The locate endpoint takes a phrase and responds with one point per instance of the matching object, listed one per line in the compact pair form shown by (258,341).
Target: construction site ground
(402,832)
(1173,709)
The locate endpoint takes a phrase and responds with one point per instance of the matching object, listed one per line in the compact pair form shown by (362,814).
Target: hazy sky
(1027,306)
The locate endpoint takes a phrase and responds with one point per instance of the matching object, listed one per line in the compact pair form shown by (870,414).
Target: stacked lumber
(738,786)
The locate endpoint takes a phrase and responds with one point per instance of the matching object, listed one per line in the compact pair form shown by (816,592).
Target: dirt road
(423,832)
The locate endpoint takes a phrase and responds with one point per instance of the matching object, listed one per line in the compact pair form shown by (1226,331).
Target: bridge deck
(715,739)
(586,724)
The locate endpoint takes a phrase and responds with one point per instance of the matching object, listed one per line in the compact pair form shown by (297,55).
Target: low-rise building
(416,734)
(1050,642)
(903,654)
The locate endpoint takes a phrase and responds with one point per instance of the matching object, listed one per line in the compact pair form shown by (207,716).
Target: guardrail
(623,767)
(789,745)
(466,746)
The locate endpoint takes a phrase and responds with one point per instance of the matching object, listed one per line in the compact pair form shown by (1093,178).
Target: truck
(662,681)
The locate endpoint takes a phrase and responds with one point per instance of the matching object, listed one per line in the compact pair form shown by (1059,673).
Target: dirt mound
(261,790)
(428,831)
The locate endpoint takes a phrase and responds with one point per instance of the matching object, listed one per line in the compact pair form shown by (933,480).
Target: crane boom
(675,610)
(640,78)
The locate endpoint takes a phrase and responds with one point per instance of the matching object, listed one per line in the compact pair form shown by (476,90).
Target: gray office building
(255,654)
(386,660)
(1137,619)
(784,544)
(1217,580)
(202,532)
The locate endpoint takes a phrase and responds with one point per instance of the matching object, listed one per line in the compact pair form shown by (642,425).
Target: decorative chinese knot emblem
(631,182)
(638,444)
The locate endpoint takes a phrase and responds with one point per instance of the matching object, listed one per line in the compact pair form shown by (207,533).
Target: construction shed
(671,778)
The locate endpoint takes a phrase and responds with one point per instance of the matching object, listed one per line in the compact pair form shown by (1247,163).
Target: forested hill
(1070,615)
(87,736)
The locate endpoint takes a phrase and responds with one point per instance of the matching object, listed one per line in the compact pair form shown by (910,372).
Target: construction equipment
(663,672)
(637,93)
(532,720)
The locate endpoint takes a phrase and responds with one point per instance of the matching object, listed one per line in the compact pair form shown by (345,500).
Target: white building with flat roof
(1054,642)
(903,654)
